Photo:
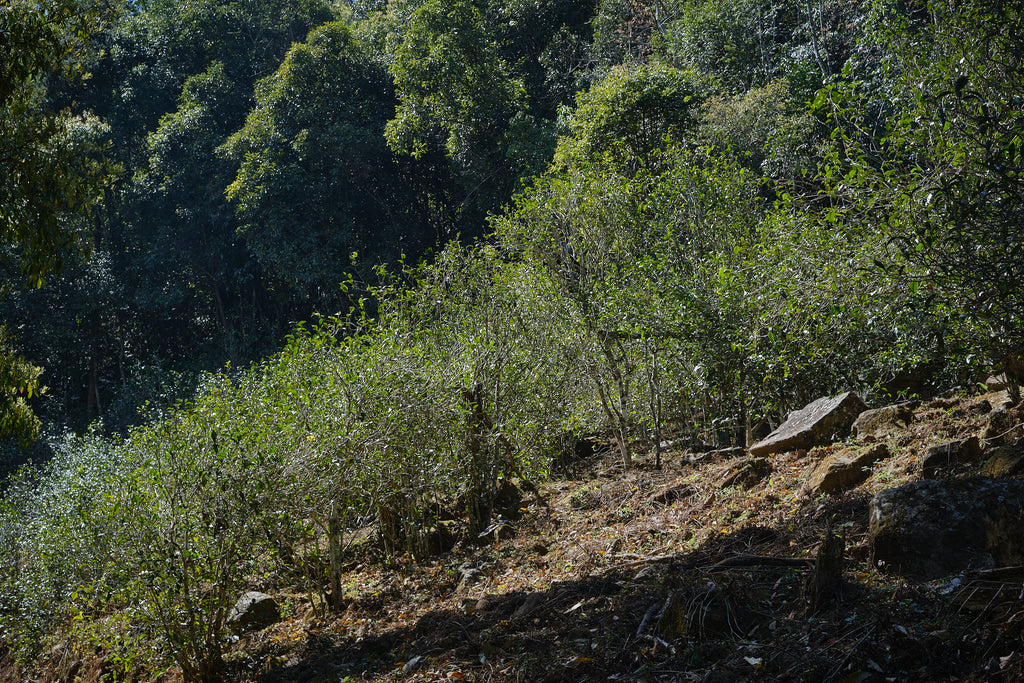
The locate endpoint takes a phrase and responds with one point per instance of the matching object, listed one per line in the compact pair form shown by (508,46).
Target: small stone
(1002,426)
(496,532)
(1005,461)
(721,454)
(647,573)
(413,664)
(842,471)
(997,382)
(530,604)
(881,422)
(469,574)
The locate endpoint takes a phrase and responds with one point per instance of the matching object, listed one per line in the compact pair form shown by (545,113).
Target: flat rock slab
(842,471)
(817,424)
(933,528)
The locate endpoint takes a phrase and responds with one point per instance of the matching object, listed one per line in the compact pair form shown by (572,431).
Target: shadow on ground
(685,617)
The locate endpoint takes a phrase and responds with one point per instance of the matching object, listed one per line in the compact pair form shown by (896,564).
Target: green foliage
(38,206)
(637,258)
(197,526)
(337,429)
(19,382)
(316,181)
(644,281)
(176,221)
(625,30)
(763,130)
(739,45)
(548,43)
(500,328)
(452,83)
(625,119)
(60,529)
(928,146)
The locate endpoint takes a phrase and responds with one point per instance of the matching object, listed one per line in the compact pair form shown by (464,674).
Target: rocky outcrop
(252,611)
(1003,426)
(881,422)
(932,528)
(1005,461)
(817,424)
(842,471)
(941,459)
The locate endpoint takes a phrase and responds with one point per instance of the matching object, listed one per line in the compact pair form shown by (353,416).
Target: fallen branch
(649,559)
(759,561)
(647,617)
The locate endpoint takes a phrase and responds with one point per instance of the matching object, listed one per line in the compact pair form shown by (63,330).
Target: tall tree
(454,86)
(623,120)
(48,157)
(52,165)
(316,180)
(177,223)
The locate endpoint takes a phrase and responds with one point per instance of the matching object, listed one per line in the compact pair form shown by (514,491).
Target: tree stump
(825,580)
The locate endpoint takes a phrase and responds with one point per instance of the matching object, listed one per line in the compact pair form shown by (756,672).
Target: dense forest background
(505,222)
(226,166)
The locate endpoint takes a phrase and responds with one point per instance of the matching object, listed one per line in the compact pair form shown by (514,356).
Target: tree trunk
(824,583)
(478,503)
(334,553)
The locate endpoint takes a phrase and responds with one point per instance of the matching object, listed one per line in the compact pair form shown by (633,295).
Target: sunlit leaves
(19,382)
(626,118)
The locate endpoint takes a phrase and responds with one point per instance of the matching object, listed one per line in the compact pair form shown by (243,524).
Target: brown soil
(646,575)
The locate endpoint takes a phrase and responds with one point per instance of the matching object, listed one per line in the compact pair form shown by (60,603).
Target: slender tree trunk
(93,409)
(655,404)
(334,553)
(814,30)
(478,503)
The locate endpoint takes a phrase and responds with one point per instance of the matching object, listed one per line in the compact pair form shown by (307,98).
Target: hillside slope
(688,573)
